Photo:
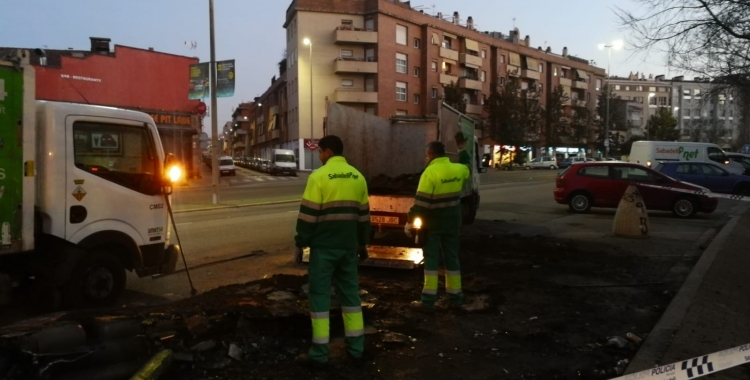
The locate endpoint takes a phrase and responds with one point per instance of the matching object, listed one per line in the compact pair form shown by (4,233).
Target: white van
(649,153)
(226,166)
(283,162)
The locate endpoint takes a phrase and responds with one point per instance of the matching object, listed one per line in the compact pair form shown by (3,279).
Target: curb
(660,338)
(235,206)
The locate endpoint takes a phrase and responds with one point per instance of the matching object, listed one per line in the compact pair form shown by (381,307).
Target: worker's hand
(407,229)
(297,258)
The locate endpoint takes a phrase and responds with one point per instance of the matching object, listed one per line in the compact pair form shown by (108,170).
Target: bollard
(631,219)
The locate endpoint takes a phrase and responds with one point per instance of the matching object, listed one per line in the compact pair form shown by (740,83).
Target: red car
(602,184)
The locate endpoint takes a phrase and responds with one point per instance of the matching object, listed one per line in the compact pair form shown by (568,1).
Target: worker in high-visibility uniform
(334,221)
(438,205)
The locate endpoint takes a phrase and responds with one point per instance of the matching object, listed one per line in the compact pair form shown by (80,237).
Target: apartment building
(387,58)
(644,97)
(703,115)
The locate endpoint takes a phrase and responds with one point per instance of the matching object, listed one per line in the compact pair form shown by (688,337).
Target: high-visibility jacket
(335,210)
(438,199)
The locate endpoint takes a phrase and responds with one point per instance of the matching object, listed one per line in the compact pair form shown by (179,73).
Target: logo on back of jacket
(349,175)
(450,180)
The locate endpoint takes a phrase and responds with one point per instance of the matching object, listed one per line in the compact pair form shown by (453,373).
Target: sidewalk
(711,312)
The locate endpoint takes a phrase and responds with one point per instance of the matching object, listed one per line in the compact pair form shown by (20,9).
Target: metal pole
(609,92)
(214,111)
(312,155)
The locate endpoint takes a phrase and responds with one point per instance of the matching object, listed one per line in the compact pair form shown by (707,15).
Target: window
(686,112)
(697,92)
(617,87)
(652,89)
(416,98)
(502,58)
(401,91)
(524,85)
(345,53)
(554,71)
(483,76)
(401,113)
(484,53)
(502,81)
(663,101)
(639,88)
(401,35)
(716,155)
(712,170)
(401,63)
(370,24)
(434,65)
(417,43)
(122,154)
(447,42)
(652,100)
(541,88)
(594,171)
(417,72)
(541,68)
(632,174)
(434,93)
(348,23)
(347,83)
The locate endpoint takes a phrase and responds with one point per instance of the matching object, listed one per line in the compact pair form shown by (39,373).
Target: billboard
(11,154)
(200,80)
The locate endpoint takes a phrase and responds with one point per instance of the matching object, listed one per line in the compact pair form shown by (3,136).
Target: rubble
(204,346)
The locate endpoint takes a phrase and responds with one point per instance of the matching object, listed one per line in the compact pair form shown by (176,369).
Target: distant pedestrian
(334,221)
(438,205)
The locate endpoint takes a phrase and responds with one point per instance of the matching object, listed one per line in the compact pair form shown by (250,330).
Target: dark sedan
(708,175)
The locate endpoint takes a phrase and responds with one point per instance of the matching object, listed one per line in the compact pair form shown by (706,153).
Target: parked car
(226,166)
(544,162)
(602,184)
(264,165)
(742,159)
(708,175)
(574,160)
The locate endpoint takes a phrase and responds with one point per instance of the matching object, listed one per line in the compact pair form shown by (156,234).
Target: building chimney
(565,51)
(440,15)
(456,18)
(470,23)
(150,49)
(549,49)
(515,35)
(528,41)
(100,45)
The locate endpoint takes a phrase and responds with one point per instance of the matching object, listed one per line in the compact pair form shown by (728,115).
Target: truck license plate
(384,220)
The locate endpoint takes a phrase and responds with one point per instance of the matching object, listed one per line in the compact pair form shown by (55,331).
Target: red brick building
(139,79)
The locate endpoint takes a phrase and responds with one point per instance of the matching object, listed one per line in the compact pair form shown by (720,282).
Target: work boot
(419,307)
(305,361)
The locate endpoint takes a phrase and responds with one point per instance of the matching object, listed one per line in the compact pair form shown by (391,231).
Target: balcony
(447,79)
(275,134)
(531,74)
(473,60)
(579,84)
(470,84)
(273,111)
(355,66)
(566,82)
(354,96)
(449,53)
(261,139)
(514,71)
(582,103)
(474,109)
(356,36)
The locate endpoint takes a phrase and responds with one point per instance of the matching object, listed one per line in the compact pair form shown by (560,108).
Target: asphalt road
(241,244)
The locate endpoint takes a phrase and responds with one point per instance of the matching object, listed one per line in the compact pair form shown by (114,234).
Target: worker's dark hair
(333,143)
(437,148)
(460,139)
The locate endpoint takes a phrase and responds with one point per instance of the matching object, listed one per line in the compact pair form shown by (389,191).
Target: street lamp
(617,45)
(308,42)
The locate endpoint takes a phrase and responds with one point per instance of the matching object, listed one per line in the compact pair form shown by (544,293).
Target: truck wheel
(98,280)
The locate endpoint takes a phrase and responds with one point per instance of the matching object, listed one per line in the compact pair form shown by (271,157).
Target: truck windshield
(226,162)
(122,154)
(717,155)
(284,158)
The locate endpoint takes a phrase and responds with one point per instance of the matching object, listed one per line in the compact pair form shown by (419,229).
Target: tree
(454,97)
(555,125)
(662,126)
(706,130)
(513,114)
(617,119)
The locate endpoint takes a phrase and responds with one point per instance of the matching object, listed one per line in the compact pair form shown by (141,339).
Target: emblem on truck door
(79,193)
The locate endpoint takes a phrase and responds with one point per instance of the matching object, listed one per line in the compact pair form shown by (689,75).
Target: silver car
(544,162)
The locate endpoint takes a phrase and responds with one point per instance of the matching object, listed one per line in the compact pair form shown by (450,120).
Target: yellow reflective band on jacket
(354,324)
(438,197)
(335,210)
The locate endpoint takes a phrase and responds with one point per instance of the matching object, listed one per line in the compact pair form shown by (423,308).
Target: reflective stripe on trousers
(430,282)
(354,324)
(453,282)
(320,327)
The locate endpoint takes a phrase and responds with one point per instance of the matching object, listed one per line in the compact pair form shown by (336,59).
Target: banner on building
(225,78)
(199,81)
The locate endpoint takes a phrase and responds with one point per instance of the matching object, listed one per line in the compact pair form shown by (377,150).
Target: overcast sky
(251,32)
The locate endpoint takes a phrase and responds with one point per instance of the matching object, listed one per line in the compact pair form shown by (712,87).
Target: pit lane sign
(311,144)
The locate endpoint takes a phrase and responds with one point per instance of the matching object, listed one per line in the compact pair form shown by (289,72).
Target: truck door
(113,173)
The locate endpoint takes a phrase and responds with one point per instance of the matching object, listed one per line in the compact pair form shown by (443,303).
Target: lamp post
(617,45)
(214,110)
(308,43)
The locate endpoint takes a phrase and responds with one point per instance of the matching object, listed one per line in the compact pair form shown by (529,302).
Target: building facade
(385,58)
(644,97)
(703,115)
(125,77)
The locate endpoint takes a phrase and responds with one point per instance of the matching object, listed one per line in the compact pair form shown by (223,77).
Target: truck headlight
(648,163)
(174,173)
(417,223)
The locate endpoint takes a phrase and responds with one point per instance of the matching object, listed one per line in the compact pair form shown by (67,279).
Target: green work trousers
(337,267)
(448,243)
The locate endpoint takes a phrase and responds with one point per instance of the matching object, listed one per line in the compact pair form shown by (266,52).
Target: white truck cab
(283,161)
(650,153)
(226,166)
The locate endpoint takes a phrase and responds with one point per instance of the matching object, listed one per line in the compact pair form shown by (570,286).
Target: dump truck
(84,195)
(390,153)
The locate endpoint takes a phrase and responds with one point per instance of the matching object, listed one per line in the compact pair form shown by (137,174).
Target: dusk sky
(251,32)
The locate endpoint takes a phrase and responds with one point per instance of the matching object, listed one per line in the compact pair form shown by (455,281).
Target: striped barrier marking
(700,192)
(695,367)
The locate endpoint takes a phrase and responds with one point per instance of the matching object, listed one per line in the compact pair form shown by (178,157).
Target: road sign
(311,144)
(746,149)
(201,108)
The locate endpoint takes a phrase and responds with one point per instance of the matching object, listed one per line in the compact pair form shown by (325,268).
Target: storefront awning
(450,61)
(515,59)
(583,75)
(531,64)
(453,36)
(272,123)
(435,39)
(472,45)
